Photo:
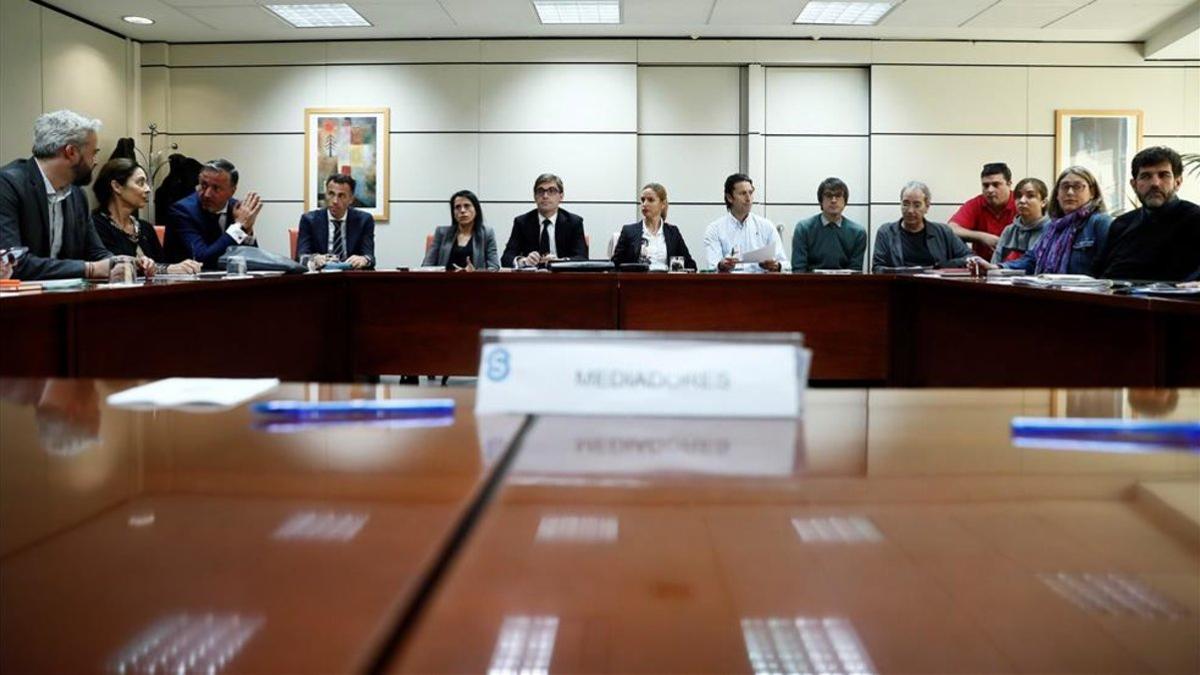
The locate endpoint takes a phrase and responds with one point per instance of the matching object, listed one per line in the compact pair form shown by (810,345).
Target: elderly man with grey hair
(913,241)
(40,207)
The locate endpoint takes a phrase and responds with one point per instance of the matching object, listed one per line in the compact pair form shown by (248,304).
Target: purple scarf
(1053,250)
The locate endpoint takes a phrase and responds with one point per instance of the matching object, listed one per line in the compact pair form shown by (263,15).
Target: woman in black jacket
(652,239)
(121,188)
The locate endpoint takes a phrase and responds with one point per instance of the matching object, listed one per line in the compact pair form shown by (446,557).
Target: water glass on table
(676,264)
(235,266)
(122,270)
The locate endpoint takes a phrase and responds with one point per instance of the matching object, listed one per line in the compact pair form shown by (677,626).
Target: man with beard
(40,208)
(1161,240)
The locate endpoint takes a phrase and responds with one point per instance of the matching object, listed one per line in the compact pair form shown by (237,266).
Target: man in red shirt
(983,217)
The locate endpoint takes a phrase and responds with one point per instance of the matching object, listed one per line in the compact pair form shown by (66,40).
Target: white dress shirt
(345,244)
(655,247)
(726,233)
(235,230)
(54,199)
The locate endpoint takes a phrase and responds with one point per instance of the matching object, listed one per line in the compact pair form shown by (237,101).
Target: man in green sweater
(828,240)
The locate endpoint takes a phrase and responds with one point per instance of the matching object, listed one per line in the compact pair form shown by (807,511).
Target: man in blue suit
(202,225)
(338,229)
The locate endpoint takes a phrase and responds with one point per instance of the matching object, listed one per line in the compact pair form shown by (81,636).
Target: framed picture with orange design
(350,141)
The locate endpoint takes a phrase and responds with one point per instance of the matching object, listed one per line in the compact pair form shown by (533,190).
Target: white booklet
(192,393)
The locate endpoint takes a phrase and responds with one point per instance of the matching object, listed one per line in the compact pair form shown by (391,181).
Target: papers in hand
(194,394)
(758,255)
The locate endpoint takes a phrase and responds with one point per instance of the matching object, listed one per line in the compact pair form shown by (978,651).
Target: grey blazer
(946,248)
(483,248)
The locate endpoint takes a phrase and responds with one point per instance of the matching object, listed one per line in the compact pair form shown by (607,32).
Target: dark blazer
(197,234)
(630,242)
(947,249)
(527,234)
(483,248)
(119,243)
(25,221)
(359,234)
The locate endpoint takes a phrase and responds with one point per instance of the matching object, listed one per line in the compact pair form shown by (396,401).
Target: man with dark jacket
(41,207)
(547,232)
(204,224)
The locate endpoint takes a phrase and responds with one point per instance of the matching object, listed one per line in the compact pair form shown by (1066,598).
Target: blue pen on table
(355,408)
(1109,431)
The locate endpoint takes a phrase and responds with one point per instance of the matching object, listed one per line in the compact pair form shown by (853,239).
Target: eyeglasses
(546,191)
(1072,187)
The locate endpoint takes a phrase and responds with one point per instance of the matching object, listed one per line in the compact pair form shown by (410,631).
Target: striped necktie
(338,247)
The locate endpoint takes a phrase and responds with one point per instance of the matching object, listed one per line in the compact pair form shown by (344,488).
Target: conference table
(898,331)
(887,530)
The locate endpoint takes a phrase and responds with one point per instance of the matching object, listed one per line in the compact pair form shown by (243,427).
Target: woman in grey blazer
(467,244)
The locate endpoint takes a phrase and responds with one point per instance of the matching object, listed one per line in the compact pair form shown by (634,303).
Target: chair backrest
(161,231)
(293,235)
(428,243)
(612,243)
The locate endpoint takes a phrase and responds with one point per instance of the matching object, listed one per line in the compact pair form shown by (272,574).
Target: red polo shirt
(975,215)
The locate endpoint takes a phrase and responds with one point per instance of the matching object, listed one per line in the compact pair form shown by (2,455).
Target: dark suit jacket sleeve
(304,239)
(431,255)
(626,250)
(682,249)
(188,230)
(489,242)
(580,248)
(512,249)
(31,266)
(368,239)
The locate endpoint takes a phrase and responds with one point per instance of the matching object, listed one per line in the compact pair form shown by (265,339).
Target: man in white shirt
(202,225)
(739,232)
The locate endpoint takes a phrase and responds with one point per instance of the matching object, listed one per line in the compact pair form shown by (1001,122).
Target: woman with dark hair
(121,188)
(466,244)
(652,239)
(1076,232)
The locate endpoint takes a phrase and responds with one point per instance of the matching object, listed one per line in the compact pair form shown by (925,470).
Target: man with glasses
(202,225)
(546,233)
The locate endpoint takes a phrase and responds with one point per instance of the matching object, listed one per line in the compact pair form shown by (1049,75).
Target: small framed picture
(351,141)
(1104,142)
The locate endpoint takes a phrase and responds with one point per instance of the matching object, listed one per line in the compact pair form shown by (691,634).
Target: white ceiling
(1040,20)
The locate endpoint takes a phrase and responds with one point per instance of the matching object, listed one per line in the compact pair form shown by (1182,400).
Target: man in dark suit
(41,207)
(547,232)
(202,225)
(339,229)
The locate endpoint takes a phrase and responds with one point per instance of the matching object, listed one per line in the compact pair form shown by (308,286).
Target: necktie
(338,247)
(544,244)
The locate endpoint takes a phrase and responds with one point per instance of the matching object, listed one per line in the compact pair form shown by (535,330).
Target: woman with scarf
(1075,234)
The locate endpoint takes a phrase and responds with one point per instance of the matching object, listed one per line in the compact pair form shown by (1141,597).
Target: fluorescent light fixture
(329,15)
(321,526)
(846,530)
(186,643)
(577,529)
(139,20)
(844,13)
(1113,595)
(525,646)
(578,11)
(805,646)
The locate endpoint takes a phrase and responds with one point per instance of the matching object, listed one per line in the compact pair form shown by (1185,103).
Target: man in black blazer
(347,232)
(202,225)
(547,232)
(42,207)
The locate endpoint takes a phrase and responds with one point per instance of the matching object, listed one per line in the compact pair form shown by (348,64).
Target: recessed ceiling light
(844,13)
(329,15)
(578,11)
(139,20)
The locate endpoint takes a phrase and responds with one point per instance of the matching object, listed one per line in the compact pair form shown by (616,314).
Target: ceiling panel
(755,13)
(1125,15)
(666,12)
(934,13)
(1025,13)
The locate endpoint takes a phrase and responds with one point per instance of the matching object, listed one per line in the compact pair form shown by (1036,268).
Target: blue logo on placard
(498,366)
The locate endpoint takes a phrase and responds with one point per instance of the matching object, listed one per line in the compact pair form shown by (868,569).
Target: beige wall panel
(433,166)
(1015,53)
(1157,92)
(797,164)
(948,164)
(155,54)
(777,52)
(818,100)
(271,165)
(401,241)
(1191,184)
(560,51)
(692,168)
(1191,101)
(272,226)
(156,86)
(421,98)
(554,97)
(85,70)
(20,76)
(923,99)
(697,51)
(594,167)
(788,216)
(258,54)
(419,51)
(219,100)
(688,100)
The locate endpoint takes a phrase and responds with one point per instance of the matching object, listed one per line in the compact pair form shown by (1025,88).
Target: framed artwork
(1104,142)
(351,141)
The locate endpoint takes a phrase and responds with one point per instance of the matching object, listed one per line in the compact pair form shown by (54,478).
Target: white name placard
(642,373)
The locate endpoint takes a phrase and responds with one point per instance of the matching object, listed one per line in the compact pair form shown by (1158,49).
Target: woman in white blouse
(652,239)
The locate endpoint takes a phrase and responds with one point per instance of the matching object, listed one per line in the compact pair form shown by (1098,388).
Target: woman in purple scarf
(1076,232)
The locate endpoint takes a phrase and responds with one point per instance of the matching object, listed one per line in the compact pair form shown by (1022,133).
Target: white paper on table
(192,393)
(759,254)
